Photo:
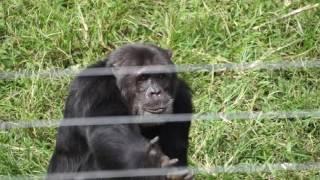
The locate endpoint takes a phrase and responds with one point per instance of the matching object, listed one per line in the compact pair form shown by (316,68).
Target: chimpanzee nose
(154,92)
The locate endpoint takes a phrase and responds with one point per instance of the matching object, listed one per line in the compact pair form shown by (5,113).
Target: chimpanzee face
(146,92)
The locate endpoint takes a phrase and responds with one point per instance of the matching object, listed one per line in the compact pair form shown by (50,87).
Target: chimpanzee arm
(118,146)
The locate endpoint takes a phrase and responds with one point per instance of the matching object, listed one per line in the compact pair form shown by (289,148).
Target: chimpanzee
(125,146)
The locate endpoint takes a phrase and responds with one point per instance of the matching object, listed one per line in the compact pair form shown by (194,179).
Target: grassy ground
(38,35)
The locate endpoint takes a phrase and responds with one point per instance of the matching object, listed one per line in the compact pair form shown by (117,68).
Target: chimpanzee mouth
(155,110)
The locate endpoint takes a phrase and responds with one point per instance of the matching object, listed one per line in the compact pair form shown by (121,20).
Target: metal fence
(240,168)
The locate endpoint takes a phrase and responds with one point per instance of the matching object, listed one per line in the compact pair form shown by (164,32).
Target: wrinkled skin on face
(144,91)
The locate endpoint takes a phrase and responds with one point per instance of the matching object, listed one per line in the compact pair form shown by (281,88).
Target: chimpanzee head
(144,90)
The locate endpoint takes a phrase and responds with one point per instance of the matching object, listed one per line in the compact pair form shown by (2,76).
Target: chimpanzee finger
(189,176)
(180,175)
(154,140)
(166,162)
(152,143)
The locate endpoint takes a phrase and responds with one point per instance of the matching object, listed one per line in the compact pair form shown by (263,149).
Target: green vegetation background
(40,35)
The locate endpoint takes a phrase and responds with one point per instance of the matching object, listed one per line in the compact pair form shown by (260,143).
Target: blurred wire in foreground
(161,118)
(240,168)
(257,65)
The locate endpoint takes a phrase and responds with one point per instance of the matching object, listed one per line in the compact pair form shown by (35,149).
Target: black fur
(89,148)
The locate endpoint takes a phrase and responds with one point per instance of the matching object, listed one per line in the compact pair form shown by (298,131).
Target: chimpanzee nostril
(153,92)
(156,92)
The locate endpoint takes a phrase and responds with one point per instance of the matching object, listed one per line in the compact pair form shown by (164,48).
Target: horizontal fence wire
(257,65)
(240,168)
(161,118)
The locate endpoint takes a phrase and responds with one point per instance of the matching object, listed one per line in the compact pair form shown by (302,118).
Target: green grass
(39,35)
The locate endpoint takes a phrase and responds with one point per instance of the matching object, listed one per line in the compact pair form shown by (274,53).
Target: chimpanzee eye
(143,77)
(161,76)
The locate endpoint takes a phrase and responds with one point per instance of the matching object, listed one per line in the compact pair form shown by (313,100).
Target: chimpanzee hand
(180,174)
(155,154)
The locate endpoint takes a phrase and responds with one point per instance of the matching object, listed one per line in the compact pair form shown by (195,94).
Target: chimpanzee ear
(169,53)
(109,62)
(115,69)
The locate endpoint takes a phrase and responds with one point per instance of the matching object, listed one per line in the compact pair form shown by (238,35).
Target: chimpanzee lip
(155,110)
